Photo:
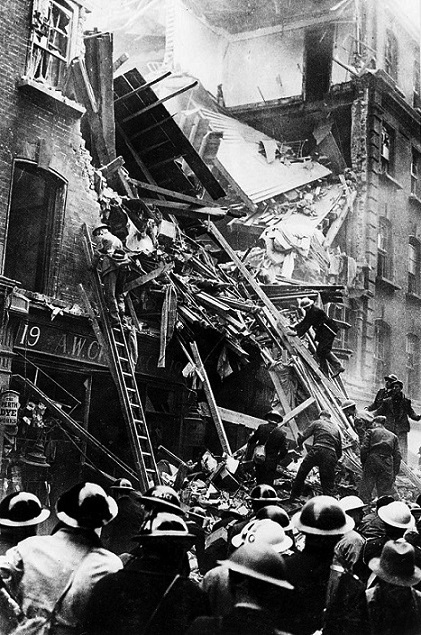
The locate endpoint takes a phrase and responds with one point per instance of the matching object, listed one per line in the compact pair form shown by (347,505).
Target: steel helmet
(275,513)
(264,493)
(397,514)
(259,561)
(163,498)
(323,516)
(164,526)
(348,403)
(265,531)
(349,503)
(122,484)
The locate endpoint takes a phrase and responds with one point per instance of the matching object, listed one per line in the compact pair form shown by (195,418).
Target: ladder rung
(140,436)
(150,469)
(123,359)
(119,343)
(127,374)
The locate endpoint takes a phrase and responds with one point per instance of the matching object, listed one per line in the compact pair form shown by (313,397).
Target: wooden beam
(158,102)
(119,62)
(150,187)
(111,167)
(157,124)
(223,439)
(138,90)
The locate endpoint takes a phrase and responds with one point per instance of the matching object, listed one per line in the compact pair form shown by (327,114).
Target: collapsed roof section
(256,166)
(150,141)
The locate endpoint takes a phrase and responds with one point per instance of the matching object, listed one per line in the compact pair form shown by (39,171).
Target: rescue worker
(276,448)
(382,393)
(117,536)
(397,519)
(52,577)
(152,594)
(216,581)
(325,330)
(113,263)
(349,549)
(359,421)
(258,585)
(398,410)
(325,453)
(323,522)
(260,497)
(381,459)
(20,515)
(394,606)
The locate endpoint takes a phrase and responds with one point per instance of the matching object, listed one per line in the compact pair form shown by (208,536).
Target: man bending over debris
(325,330)
(113,262)
(273,439)
(325,453)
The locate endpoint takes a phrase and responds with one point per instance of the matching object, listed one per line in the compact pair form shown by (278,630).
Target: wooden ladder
(115,339)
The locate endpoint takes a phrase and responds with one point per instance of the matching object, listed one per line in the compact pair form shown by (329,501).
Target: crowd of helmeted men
(128,563)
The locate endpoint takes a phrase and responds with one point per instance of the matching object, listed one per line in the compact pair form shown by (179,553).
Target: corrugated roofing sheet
(239,155)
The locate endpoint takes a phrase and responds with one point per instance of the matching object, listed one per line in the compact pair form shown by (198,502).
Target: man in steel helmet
(322,521)
(152,594)
(276,448)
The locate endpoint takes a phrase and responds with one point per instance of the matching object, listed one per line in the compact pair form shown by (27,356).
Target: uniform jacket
(118,535)
(325,434)
(104,253)
(378,440)
(123,603)
(242,620)
(394,610)
(378,399)
(323,325)
(38,569)
(397,409)
(275,440)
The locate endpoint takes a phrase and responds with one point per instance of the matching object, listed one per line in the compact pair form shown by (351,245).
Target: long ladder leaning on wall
(114,340)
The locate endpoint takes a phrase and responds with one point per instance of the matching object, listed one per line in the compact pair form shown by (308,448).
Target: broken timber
(74,426)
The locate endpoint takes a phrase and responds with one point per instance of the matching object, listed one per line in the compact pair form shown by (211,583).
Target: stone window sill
(386,176)
(29,85)
(389,284)
(415,199)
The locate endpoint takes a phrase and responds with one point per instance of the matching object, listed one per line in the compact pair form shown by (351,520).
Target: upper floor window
(52,41)
(384,250)
(36,206)
(391,55)
(318,62)
(416,173)
(382,350)
(412,365)
(341,313)
(414,266)
(387,149)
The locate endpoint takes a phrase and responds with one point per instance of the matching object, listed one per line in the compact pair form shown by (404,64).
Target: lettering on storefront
(46,339)
(43,338)
(9,406)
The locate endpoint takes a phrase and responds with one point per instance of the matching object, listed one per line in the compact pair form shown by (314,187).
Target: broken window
(391,55)
(416,173)
(414,266)
(342,314)
(318,62)
(51,45)
(382,350)
(384,250)
(412,365)
(387,149)
(36,202)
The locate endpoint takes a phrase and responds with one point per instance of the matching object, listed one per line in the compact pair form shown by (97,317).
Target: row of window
(383,358)
(385,259)
(388,159)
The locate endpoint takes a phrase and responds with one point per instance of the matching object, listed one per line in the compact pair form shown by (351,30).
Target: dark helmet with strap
(265,493)
(162,498)
(275,513)
(323,516)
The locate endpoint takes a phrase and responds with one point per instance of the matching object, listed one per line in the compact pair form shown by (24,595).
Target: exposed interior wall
(197,49)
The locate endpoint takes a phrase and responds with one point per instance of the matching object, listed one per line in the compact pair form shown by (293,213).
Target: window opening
(37,198)
(318,62)
(384,250)
(391,55)
(382,350)
(412,365)
(387,150)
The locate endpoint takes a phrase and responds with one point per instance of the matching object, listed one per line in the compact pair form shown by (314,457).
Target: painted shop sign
(9,406)
(53,341)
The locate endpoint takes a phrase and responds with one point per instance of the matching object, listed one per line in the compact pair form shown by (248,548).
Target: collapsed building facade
(242,221)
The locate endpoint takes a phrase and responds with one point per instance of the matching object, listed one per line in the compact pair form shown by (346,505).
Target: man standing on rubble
(113,263)
(398,410)
(325,330)
(325,453)
(381,459)
(274,441)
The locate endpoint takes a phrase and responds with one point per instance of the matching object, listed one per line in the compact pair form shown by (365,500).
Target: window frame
(385,254)
(412,365)
(47,258)
(45,63)
(391,54)
(382,349)
(414,272)
(387,150)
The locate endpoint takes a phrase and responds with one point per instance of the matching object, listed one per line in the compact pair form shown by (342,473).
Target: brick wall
(36,128)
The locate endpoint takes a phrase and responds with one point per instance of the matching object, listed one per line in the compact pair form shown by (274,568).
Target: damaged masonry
(190,252)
